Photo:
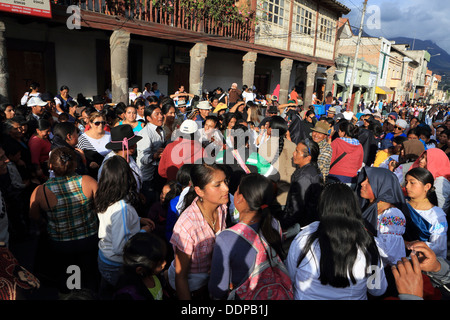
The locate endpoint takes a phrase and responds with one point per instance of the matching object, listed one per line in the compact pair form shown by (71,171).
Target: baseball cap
(36,101)
(401,123)
(188,126)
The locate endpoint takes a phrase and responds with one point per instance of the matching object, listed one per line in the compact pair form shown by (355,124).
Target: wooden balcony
(167,13)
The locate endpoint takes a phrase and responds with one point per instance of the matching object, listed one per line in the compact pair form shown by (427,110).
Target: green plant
(222,11)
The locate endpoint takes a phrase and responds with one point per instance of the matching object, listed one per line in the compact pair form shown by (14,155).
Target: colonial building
(401,72)
(375,51)
(114,44)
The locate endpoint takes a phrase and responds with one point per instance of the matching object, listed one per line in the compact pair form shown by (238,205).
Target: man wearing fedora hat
(319,135)
(204,109)
(98,102)
(123,144)
(331,112)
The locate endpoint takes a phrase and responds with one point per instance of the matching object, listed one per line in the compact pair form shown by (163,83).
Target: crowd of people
(231,195)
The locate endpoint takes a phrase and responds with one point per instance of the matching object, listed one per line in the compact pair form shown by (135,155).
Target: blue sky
(420,19)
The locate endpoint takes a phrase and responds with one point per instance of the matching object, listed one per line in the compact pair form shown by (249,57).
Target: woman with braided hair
(236,253)
(71,223)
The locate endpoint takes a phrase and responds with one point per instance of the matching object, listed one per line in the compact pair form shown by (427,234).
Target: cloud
(421,19)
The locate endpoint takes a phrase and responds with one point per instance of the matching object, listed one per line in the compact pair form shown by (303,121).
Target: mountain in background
(438,64)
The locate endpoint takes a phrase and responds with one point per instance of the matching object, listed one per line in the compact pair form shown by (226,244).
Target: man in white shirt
(147,92)
(149,150)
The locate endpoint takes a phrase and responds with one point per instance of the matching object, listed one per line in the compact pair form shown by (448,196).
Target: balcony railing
(171,14)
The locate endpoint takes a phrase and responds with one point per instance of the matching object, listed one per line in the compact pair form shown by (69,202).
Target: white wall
(222,68)
(151,57)
(75,59)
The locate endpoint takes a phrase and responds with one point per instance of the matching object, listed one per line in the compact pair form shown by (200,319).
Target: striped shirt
(87,143)
(193,236)
(72,218)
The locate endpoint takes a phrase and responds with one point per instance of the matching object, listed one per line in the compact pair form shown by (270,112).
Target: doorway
(30,61)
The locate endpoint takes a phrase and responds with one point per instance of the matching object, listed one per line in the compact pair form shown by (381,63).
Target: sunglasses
(97,123)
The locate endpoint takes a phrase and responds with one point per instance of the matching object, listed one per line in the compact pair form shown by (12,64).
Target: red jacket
(349,165)
(176,154)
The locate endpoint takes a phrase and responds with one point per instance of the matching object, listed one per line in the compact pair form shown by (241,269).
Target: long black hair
(341,234)
(258,191)
(425,176)
(116,183)
(280,126)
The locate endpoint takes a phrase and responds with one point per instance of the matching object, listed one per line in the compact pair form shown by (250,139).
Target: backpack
(267,280)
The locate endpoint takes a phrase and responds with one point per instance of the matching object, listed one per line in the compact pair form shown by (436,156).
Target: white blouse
(306,280)
(389,239)
(438,220)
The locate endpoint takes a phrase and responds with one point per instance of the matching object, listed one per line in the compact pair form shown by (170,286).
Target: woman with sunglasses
(93,142)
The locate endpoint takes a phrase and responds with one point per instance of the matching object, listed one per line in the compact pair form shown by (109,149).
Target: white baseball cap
(36,101)
(188,126)
(401,123)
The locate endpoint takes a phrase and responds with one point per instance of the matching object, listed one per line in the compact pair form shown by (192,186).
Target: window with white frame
(326,30)
(303,20)
(274,11)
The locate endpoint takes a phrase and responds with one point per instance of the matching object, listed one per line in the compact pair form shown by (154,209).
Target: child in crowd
(115,203)
(158,211)
(143,262)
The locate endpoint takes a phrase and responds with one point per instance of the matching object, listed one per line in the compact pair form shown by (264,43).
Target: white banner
(39,8)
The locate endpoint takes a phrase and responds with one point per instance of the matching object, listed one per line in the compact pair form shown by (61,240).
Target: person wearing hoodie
(348,154)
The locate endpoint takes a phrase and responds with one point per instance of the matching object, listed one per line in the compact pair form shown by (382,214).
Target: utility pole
(352,82)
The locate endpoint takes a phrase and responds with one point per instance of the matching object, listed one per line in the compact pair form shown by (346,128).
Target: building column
(118,44)
(4,75)
(330,80)
(248,68)
(311,71)
(198,55)
(286,67)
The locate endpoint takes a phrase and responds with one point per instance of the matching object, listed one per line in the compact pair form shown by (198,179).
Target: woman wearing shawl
(422,203)
(436,161)
(384,208)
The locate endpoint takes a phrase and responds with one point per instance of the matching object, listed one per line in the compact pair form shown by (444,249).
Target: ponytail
(258,192)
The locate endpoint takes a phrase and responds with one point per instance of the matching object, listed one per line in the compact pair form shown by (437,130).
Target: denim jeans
(109,277)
